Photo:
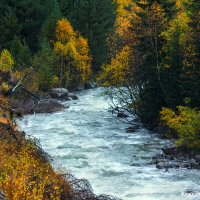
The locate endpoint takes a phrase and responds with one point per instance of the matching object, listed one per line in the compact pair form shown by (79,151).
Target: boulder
(80,88)
(95,85)
(132,129)
(90,85)
(169,150)
(72,96)
(48,106)
(186,165)
(159,156)
(154,162)
(192,192)
(197,158)
(173,164)
(59,93)
(195,165)
(161,165)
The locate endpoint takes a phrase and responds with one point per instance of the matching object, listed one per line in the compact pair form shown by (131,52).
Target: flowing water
(88,142)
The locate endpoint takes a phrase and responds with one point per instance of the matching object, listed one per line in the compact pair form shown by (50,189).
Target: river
(88,142)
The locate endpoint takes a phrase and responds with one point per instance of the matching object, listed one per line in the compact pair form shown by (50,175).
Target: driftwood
(2,196)
(15,86)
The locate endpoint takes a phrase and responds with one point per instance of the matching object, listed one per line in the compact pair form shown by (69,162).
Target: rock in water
(59,93)
(197,158)
(132,129)
(90,85)
(170,150)
(72,96)
(161,165)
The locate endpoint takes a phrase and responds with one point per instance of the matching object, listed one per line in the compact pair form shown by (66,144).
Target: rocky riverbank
(170,157)
(176,157)
(50,102)
(45,103)
(31,106)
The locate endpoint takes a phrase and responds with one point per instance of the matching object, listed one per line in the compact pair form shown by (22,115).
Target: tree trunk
(61,72)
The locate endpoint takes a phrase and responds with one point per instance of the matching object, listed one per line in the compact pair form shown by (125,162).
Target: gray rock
(95,85)
(80,88)
(185,165)
(172,165)
(159,156)
(169,150)
(48,106)
(167,165)
(72,96)
(197,158)
(154,162)
(193,192)
(48,101)
(195,165)
(59,93)
(132,129)
(161,165)
(90,85)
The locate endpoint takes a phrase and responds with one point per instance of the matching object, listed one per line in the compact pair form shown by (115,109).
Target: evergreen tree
(54,14)
(9,26)
(24,19)
(146,46)
(21,53)
(44,63)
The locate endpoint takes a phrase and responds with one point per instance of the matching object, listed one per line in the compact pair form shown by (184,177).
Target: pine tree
(23,18)
(146,45)
(21,53)
(53,15)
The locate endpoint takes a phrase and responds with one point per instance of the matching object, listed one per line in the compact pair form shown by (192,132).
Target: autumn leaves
(73,52)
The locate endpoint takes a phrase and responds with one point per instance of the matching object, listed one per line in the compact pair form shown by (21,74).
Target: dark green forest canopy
(22,19)
(27,23)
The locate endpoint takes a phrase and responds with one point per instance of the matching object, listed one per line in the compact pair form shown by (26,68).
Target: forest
(144,53)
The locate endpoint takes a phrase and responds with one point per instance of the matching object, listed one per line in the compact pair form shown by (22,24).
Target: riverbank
(174,156)
(50,102)
(25,168)
(26,172)
(32,106)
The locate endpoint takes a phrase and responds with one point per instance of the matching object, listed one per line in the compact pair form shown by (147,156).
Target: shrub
(186,123)
(6,61)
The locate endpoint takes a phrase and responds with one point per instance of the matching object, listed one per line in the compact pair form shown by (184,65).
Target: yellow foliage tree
(185,122)
(6,61)
(73,51)
(6,66)
(116,72)
(25,173)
